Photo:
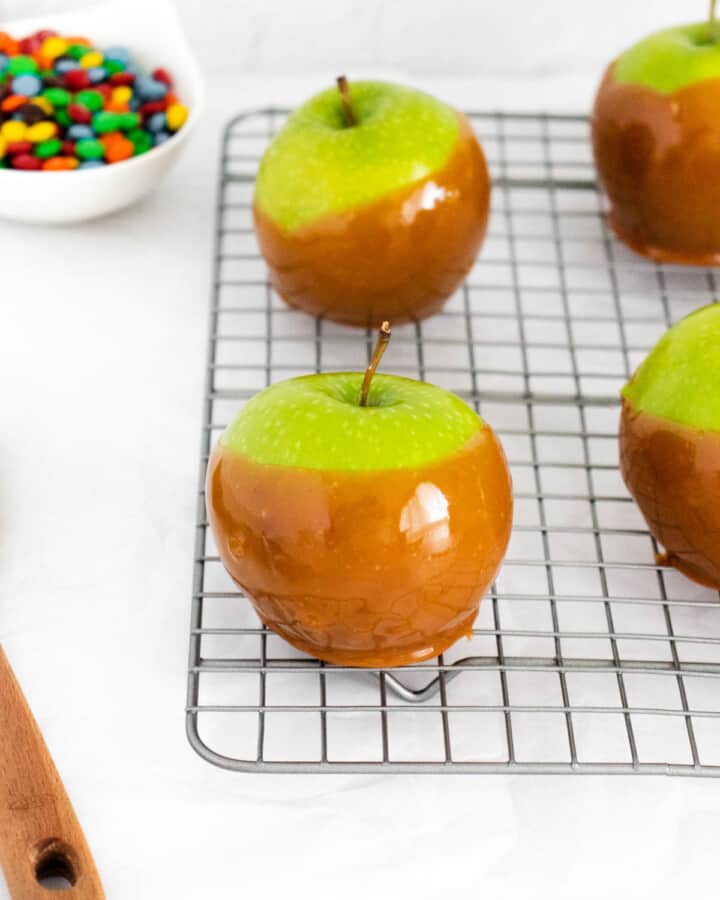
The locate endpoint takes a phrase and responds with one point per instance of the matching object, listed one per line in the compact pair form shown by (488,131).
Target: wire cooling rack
(586,655)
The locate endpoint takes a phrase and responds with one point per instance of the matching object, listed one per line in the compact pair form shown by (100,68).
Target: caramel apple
(656,140)
(371,203)
(670,444)
(363,517)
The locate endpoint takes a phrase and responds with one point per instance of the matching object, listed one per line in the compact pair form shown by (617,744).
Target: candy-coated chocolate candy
(91,164)
(141,140)
(118,53)
(176,116)
(114,66)
(46,149)
(13,131)
(68,148)
(163,75)
(149,89)
(27,85)
(3,146)
(92,99)
(156,122)
(76,80)
(43,131)
(122,94)
(19,147)
(13,102)
(76,51)
(60,164)
(4,58)
(30,114)
(161,137)
(118,149)
(89,149)
(122,78)
(22,65)
(62,118)
(43,103)
(57,96)
(79,113)
(78,132)
(25,161)
(65,64)
(54,46)
(97,75)
(149,109)
(92,59)
(105,122)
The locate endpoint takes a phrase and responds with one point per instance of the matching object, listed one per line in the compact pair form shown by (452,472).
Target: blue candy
(118,54)
(27,85)
(161,137)
(97,75)
(3,62)
(91,164)
(80,133)
(65,64)
(134,104)
(157,122)
(149,89)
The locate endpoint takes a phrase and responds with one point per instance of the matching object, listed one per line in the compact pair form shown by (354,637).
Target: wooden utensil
(40,836)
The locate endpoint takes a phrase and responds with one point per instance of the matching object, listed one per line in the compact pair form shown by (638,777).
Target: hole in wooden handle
(55,865)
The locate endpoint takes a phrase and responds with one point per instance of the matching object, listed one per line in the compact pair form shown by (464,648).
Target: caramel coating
(658,157)
(365,568)
(399,258)
(673,472)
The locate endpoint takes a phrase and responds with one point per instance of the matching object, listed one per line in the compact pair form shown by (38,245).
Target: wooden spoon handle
(40,835)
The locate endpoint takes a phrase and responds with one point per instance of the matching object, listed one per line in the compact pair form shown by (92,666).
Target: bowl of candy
(96,105)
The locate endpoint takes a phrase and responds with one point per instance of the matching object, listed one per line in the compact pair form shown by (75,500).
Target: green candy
(89,149)
(127,121)
(104,121)
(76,51)
(62,118)
(22,65)
(92,100)
(113,66)
(140,140)
(57,96)
(46,149)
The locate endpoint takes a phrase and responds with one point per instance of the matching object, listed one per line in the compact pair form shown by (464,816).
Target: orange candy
(117,147)
(113,106)
(13,102)
(60,164)
(8,45)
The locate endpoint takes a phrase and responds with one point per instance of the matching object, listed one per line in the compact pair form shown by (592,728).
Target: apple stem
(344,89)
(383,339)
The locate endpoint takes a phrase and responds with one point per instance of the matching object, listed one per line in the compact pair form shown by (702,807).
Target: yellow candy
(92,59)
(176,115)
(44,104)
(53,47)
(3,146)
(42,131)
(13,131)
(122,94)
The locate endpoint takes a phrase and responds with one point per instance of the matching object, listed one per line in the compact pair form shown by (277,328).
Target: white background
(102,345)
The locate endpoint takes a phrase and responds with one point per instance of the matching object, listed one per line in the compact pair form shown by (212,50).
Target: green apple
(672,58)
(317,422)
(680,379)
(318,166)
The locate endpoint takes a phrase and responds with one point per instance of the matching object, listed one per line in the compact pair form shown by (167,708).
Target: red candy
(31,45)
(79,113)
(25,161)
(162,75)
(76,80)
(103,89)
(68,148)
(153,106)
(120,78)
(19,147)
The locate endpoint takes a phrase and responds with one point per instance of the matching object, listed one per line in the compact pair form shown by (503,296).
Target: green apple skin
(318,166)
(679,381)
(671,59)
(316,422)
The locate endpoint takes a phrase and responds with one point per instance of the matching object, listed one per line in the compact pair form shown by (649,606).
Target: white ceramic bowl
(151,30)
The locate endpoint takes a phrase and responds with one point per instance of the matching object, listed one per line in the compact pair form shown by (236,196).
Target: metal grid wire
(586,655)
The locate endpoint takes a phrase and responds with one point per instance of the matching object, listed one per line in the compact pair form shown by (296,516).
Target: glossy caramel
(365,568)
(399,258)
(658,158)
(673,472)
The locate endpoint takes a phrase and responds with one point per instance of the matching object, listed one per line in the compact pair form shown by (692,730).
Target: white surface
(102,347)
(445,37)
(153,32)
